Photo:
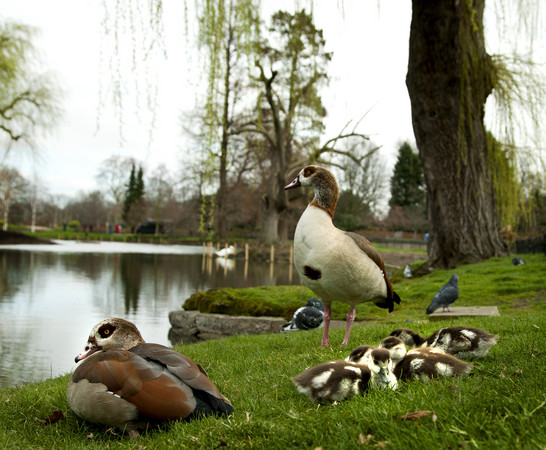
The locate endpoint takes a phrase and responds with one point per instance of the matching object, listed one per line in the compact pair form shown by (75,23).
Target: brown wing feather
(179,365)
(155,392)
(164,398)
(109,368)
(373,254)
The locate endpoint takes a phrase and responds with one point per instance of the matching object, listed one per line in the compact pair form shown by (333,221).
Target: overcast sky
(369,41)
(367,74)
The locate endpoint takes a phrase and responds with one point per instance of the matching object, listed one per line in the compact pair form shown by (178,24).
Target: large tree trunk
(274,204)
(449,78)
(221,222)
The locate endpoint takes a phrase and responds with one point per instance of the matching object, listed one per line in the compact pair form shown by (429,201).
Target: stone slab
(194,322)
(465,311)
(193,326)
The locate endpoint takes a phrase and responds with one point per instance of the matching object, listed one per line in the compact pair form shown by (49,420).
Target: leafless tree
(12,186)
(112,176)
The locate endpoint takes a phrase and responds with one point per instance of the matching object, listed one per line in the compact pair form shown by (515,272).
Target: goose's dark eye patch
(308,171)
(106,330)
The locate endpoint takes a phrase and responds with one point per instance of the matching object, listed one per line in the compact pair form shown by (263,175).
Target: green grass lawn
(515,290)
(502,405)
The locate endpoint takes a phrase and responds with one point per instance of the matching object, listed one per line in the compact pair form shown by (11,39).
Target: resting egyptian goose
(396,348)
(429,362)
(463,342)
(336,265)
(126,383)
(333,381)
(339,380)
(361,354)
(381,365)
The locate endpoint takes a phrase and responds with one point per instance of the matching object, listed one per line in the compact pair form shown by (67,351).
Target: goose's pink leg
(327,314)
(350,319)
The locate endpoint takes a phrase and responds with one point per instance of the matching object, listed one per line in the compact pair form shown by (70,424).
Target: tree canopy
(407,183)
(450,77)
(29,100)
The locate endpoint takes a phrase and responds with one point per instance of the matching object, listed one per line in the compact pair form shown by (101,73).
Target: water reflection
(50,298)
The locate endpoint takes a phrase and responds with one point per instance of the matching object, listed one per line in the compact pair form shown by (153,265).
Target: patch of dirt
(12,238)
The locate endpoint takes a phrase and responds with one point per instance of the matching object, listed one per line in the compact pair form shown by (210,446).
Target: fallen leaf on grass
(54,417)
(369,441)
(364,440)
(517,372)
(501,375)
(419,414)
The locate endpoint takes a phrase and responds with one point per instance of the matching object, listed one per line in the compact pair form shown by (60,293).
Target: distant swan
(229,251)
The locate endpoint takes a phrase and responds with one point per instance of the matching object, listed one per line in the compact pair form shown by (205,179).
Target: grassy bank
(515,290)
(501,406)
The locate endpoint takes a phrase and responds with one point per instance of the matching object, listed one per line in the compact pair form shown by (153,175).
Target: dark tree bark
(275,200)
(449,78)
(221,228)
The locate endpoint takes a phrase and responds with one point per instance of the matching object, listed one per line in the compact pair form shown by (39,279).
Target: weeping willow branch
(131,48)
(518,150)
(519,102)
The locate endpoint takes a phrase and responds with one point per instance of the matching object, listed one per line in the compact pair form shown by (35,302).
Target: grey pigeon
(307,317)
(445,296)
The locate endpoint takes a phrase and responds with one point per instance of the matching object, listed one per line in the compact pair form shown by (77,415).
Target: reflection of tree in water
(8,286)
(90,266)
(131,275)
(18,268)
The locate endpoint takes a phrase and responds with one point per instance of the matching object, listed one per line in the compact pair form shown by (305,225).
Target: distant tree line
(134,196)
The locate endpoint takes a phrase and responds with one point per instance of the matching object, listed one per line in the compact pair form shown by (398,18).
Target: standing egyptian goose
(463,342)
(336,265)
(126,383)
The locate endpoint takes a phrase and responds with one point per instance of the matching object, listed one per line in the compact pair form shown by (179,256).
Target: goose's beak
(89,349)
(294,184)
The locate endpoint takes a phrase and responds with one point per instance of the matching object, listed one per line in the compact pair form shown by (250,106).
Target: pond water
(52,295)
